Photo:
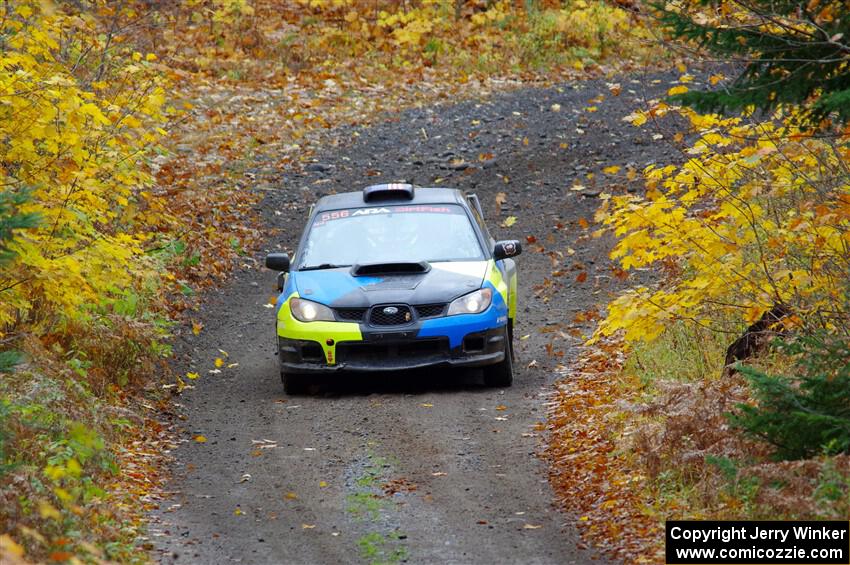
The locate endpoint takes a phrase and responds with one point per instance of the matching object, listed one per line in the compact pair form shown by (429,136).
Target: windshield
(387,234)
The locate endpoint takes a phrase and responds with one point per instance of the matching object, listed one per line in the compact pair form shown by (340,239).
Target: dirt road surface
(426,467)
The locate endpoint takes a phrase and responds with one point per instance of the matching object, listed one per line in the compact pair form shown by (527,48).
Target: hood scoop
(377,269)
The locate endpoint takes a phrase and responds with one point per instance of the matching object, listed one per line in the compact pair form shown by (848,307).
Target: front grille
(351,314)
(364,352)
(401,316)
(430,310)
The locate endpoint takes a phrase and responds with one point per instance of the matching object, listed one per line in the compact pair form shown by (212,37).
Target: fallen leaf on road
(427,405)
(197,327)
(308,526)
(290,496)
(501,407)
(200,439)
(501,198)
(47,511)
(531,527)
(509,221)
(219,362)
(323,484)
(532,364)
(8,545)
(439,474)
(264,443)
(192,376)
(501,418)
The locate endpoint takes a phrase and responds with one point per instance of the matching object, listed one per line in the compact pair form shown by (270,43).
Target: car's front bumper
(392,351)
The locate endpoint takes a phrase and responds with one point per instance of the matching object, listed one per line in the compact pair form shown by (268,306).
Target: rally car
(396,277)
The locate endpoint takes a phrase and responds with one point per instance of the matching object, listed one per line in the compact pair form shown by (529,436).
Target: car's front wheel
(501,374)
(293,383)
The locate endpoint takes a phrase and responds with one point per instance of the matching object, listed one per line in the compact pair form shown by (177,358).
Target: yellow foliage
(79,146)
(498,35)
(759,215)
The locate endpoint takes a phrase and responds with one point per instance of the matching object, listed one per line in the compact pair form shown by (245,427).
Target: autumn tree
(792,53)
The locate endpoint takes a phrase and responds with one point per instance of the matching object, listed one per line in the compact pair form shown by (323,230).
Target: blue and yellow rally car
(396,277)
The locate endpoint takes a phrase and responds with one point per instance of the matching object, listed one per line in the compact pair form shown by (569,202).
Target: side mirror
(507,248)
(278,262)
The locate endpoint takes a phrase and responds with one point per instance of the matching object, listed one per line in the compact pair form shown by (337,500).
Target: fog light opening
(475,343)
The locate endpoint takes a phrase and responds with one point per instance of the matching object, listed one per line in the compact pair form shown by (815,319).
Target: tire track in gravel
(423,467)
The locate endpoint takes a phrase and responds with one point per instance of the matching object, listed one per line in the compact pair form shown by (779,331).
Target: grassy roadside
(640,435)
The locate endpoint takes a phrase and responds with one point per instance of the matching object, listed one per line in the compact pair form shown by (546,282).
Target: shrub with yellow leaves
(757,215)
(78,118)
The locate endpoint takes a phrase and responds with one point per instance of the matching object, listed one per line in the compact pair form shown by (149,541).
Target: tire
(501,375)
(293,383)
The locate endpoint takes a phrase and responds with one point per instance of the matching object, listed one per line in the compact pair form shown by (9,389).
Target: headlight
(309,311)
(472,303)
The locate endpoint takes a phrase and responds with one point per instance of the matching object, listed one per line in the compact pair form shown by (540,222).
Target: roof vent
(391,191)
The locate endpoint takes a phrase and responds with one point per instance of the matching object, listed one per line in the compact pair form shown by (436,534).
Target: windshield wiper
(322,266)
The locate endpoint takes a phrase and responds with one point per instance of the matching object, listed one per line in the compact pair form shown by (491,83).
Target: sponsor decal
(368,211)
(325,217)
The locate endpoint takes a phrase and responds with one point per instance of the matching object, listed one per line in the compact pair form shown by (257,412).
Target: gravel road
(426,467)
